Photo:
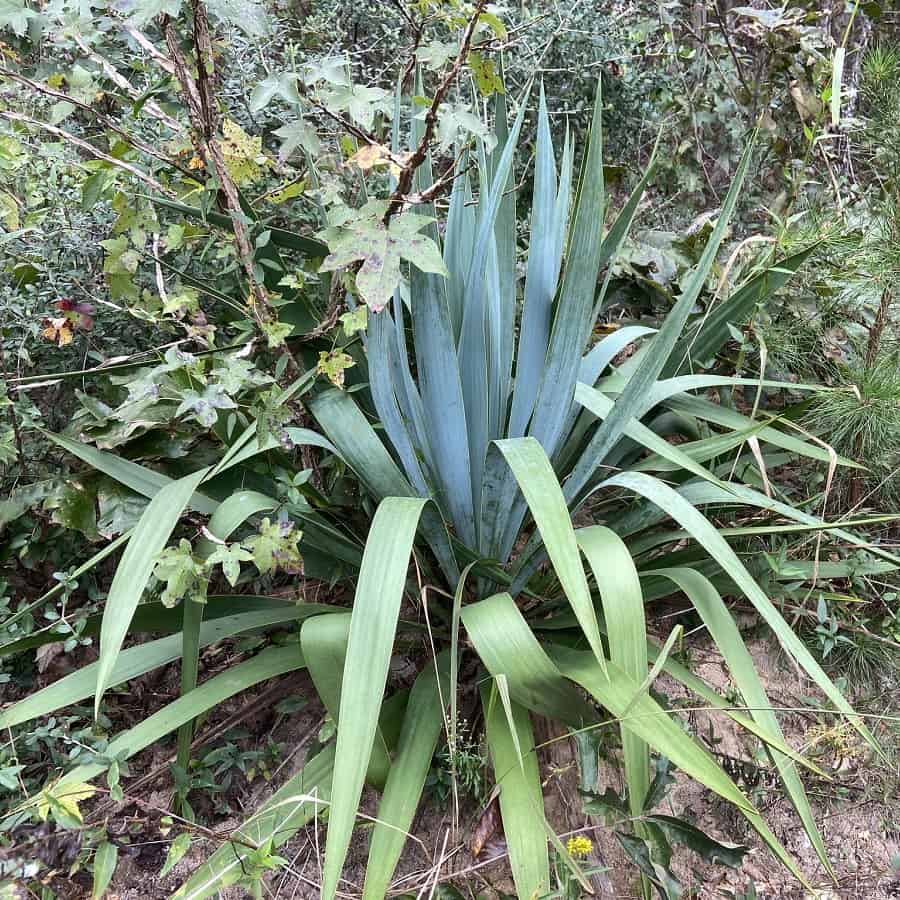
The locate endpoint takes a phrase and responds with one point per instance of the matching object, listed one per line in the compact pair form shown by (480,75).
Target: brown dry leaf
(486,827)
(370,155)
(46,653)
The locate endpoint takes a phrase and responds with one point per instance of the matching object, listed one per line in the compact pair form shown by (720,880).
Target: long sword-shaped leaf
(538,483)
(474,361)
(156,618)
(136,661)
(540,279)
(632,398)
(362,450)
(651,723)
(324,643)
(693,521)
(372,628)
(724,632)
(507,646)
(704,409)
(150,536)
(576,295)
(623,610)
(422,725)
(140,479)
(521,799)
(601,406)
(267,664)
(702,342)
(607,349)
(291,807)
(384,394)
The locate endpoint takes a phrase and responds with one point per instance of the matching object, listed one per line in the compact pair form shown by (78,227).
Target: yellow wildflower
(580,846)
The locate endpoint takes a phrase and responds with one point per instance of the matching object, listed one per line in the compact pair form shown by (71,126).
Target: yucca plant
(496,428)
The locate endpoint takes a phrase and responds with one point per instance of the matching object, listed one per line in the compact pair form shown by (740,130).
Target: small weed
(469,763)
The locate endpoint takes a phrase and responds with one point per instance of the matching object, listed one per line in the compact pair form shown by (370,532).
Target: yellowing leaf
(333,365)
(9,211)
(276,547)
(487,80)
(57,330)
(243,154)
(62,800)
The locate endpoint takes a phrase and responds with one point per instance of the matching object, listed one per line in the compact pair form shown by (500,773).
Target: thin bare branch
(87,147)
(408,171)
(48,91)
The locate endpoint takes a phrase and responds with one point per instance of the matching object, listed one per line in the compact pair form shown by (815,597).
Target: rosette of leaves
(497,426)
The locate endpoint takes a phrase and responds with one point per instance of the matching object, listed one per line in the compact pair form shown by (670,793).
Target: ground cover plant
(401,367)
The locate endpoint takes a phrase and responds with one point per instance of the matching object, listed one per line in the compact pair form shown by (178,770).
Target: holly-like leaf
(204,405)
(233,373)
(9,210)
(230,557)
(354,321)
(333,365)
(455,120)
(183,574)
(276,332)
(364,237)
(14,15)
(359,101)
(181,301)
(709,848)
(9,777)
(297,134)
(251,17)
(120,259)
(332,69)
(145,10)
(276,547)
(62,801)
(494,23)
(435,54)
(282,85)
(271,417)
